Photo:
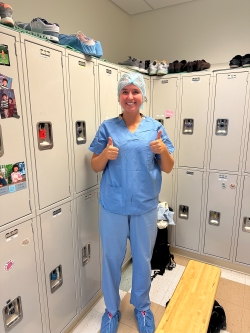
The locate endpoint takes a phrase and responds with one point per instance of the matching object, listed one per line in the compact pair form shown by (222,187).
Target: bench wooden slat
(190,307)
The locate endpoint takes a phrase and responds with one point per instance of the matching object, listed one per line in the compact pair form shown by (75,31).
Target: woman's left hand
(157,146)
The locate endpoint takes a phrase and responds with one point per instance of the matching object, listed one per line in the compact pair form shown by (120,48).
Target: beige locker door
(166,193)
(89,245)
(230,99)
(47,106)
(83,112)
(220,214)
(164,98)
(18,281)
(60,272)
(193,121)
(14,197)
(146,106)
(247,166)
(242,253)
(188,212)
(108,98)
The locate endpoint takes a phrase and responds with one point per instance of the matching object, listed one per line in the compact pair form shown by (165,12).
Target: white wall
(99,19)
(214,30)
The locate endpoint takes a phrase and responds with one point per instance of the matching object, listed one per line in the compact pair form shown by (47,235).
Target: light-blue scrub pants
(142,231)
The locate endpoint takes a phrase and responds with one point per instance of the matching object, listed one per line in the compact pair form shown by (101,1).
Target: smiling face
(131,98)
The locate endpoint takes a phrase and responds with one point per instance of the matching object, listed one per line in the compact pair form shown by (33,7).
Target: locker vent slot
(188,126)
(86,254)
(164,81)
(183,212)
(11,234)
(56,212)
(214,218)
(56,279)
(80,132)
(246,224)
(82,63)
(221,127)
(12,313)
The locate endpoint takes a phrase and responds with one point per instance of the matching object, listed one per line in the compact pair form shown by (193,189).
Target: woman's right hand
(111,152)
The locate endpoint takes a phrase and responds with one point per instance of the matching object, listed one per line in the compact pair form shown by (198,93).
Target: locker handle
(246,224)
(44,135)
(80,127)
(1,143)
(214,218)
(86,254)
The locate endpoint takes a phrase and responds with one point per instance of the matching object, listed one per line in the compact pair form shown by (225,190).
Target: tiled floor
(233,294)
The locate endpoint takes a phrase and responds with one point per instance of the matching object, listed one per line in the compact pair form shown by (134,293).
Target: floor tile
(230,291)
(246,303)
(234,315)
(245,328)
(233,276)
(126,280)
(90,324)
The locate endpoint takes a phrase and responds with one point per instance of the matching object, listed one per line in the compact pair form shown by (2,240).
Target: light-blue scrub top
(130,185)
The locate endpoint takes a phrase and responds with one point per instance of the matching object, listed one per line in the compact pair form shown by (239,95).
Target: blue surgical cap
(133,78)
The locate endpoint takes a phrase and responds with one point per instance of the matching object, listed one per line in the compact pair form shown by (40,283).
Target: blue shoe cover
(145,321)
(109,322)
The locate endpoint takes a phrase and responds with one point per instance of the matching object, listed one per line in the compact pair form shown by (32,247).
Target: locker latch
(246,224)
(44,135)
(56,278)
(214,218)
(183,212)
(221,127)
(188,126)
(80,132)
(86,254)
(12,313)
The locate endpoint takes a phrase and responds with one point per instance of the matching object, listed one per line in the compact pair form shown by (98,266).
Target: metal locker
(242,252)
(83,113)
(19,296)
(166,193)
(229,107)
(164,103)
(247,166)
(58,253)
(46,98)
(89,245)
(13,148)
(220,214)
(108,99)
(193,120)
(146,105)
(188,209)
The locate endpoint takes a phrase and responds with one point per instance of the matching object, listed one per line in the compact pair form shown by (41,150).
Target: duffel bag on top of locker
(82,43)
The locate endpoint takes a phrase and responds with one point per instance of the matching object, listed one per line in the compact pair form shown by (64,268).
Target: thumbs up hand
(157,146)
(111,152)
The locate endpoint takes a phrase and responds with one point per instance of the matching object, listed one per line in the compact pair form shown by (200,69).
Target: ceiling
(132,7)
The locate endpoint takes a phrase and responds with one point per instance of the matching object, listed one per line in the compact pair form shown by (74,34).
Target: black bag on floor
(162,258)
(218,319)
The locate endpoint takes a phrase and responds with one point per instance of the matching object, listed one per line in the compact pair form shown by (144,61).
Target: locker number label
(196,79)
(231,76)
(223,177)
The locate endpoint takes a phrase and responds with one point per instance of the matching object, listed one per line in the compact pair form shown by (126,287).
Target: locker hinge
(32,228)
(30,204)
(71,207)
(15,49)
(62,61)
(94,69)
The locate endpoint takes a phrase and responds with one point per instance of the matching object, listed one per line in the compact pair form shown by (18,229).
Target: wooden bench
(190,307)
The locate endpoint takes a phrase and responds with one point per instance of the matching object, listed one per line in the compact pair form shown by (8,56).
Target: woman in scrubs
(131,150)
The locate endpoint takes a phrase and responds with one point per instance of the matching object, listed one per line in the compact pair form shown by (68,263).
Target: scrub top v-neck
(130,185)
